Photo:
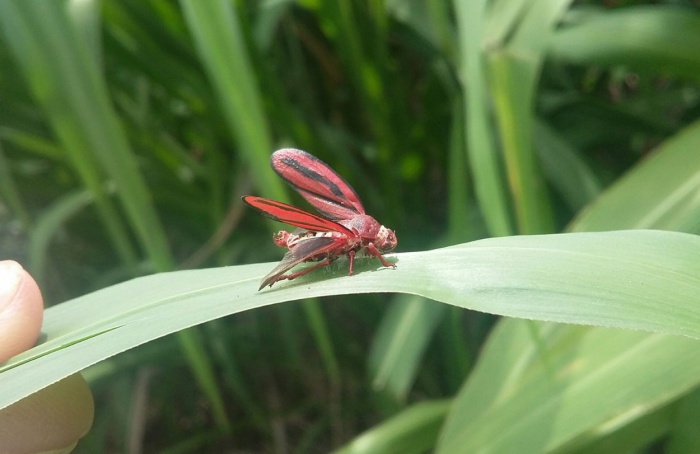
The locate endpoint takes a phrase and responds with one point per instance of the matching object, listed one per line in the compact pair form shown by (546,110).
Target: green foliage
(129,130)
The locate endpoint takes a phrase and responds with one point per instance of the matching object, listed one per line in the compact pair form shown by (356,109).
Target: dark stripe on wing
(294,216)
(320,185)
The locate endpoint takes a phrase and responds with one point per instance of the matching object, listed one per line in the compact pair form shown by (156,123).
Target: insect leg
(375,253)
(351,259)
(291,276)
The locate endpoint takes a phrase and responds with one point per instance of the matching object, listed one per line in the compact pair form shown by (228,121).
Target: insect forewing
(294,216)
(327,191)
(306,249)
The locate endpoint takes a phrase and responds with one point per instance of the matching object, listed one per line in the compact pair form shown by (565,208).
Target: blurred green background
(129,130)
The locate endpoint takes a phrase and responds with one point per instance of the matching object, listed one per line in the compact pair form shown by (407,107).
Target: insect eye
(386,239)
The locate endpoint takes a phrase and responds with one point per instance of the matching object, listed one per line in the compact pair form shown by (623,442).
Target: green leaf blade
(646,280)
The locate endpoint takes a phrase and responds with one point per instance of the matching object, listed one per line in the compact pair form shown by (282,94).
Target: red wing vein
(294,216)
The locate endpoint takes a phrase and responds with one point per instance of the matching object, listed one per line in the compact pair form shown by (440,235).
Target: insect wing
(294,216)
(304,250)
(327,191)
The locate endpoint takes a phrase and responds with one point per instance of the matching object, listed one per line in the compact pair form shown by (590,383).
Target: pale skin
(55,418)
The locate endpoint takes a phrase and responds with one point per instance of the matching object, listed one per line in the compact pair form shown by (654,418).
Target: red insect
(343,229)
